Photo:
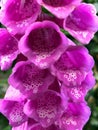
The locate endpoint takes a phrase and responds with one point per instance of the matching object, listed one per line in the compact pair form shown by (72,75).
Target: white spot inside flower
(5,59)
(17,114)
(35,90)
(10,29)
(46,112)
(70,121)
(76,92)
(10,92)
(85,34)
(32,85)
(47,106)
(70,75)
(43,65)
(42,57)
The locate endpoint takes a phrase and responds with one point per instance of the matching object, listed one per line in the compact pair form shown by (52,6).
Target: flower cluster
(52,75)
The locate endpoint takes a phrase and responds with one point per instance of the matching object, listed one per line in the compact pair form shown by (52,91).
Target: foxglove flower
(73,66)
(75,116)
(60,8)
(8,49)
(52,75)
(43,43)
(18,14)
(14,94)
(13,110)
(34,126)
(46,108)
(78,93)
(30,79)
(28,125)
(82,23)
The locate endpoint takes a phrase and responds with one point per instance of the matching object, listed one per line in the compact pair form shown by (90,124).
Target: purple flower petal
(8,49)
(30,79)
(39,127)
(73,65)
(23,126)
(28,125)
(13,110)
(71,43)
(40,47)
(78,93)
(60,8)
(19,14)
(82,23)
(75,117)
(14,94)
(36,126)
(46,108)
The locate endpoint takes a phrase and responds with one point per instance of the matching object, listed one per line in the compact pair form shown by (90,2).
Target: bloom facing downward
(82,23)
(43,43)
(75,116)
(30,79)
(46,108)
(60,8)
(52,74)
(13,110)
(18,14)
(8,49)
(73,66)
(78,92)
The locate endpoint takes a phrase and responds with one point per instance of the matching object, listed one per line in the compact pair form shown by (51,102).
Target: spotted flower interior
(51,74)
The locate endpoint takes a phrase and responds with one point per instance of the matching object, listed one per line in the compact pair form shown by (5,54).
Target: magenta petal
(8,49)
(39,127)
(34,126)
(75,57)
(71,77)
(17,15)
(75,117)
(40,47)
(30,79)
(23,126)
(71,43)
(73,65)
(82,23)
(14,94)
(28,125)
(78,93)
(90,80)
(46,108)
(60,8)
(13,110)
